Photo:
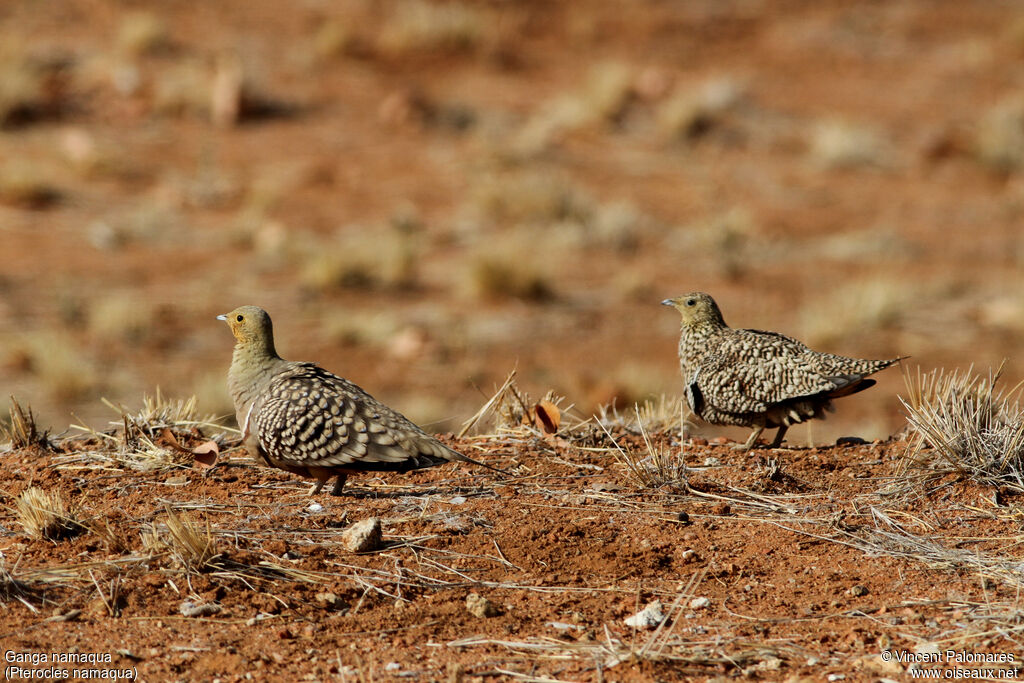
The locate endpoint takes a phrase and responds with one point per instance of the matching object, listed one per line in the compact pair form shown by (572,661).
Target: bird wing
(309,416)
(753,370)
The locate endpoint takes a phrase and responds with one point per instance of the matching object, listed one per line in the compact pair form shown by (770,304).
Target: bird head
(249,324)
(696,308)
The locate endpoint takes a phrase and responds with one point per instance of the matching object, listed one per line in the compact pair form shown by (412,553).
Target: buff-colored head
(250,325)
(696,308)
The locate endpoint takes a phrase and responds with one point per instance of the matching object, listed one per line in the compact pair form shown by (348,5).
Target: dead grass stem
(963,423)
(44,515)
(653,467)
(23,432)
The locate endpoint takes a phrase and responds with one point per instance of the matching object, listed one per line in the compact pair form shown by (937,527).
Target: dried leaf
(547,417)
(205,454)
(169,440)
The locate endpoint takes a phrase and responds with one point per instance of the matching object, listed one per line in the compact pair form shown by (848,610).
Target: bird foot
(339,485)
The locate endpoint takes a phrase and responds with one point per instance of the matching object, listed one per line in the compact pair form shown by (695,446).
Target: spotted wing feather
(753,370)
(310,417)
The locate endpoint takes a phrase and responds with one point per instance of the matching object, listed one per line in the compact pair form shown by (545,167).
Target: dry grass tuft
(841,144)
(652,468)
(859,307)
(57,360)
(655,415)
(44,515)
(147,441)
(194,547)
(510,410)
(689,114)
(142,33)
(120,316)
(23,432)
(382,258)
(963,423)
(999,141)
(27,185)
(501,275)
(419,26)
(33,85)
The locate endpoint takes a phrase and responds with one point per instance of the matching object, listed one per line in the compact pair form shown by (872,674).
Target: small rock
(392,666)
(479,606)
(858,591)
(457,500)
(363,537)
(315,507)
(562,626)
(836,677)
(699,603)
(330,601)
(712,462)
(683,517)
(192,609)
(689,554)
(648,617)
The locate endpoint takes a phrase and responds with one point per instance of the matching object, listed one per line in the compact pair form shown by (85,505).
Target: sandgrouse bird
(300,418)
(758,379)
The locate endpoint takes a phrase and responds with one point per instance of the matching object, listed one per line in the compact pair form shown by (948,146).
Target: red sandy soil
(844,195)
(847,173)
(788,547)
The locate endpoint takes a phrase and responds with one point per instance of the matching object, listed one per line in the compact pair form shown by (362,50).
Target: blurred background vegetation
(426,194)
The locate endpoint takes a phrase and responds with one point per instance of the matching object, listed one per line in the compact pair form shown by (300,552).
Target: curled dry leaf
(167,439)
(547,417)
(205,454)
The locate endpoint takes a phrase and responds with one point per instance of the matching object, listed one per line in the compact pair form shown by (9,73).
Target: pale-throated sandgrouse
(300,418)
(756,379)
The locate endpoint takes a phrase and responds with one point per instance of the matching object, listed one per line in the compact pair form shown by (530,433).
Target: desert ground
(427,196)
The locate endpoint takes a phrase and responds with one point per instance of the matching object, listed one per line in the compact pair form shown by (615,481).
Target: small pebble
(363,537)
(858,591)
(648,617)
(479,606)
(699,603)
(192,609)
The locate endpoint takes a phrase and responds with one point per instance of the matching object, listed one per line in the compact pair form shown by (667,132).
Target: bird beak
(668,302)
(222,317)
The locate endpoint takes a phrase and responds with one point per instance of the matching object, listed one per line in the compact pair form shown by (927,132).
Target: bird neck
(252,363)
(693,341)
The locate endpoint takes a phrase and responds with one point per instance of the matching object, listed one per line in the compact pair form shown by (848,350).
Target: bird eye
(240,318)
(691,302)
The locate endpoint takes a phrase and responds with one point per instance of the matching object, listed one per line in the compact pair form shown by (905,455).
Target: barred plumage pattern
(300,418)
(757,379)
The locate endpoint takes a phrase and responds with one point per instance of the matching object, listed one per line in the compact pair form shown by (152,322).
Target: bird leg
(777,441)
(751,440)
(320,481)
(339,484)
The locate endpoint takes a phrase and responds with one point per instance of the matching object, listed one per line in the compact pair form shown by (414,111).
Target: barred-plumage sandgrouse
(300,418)
(758,379)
